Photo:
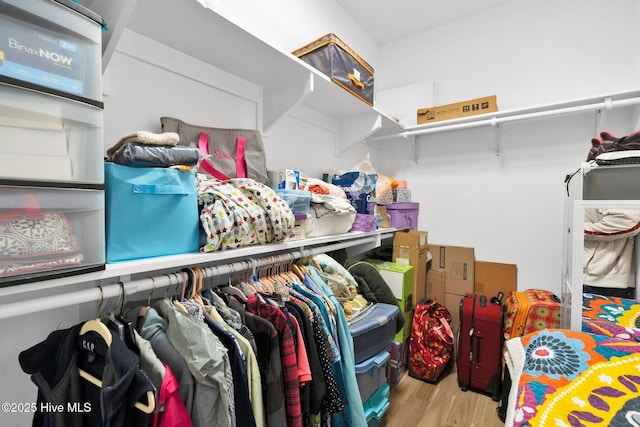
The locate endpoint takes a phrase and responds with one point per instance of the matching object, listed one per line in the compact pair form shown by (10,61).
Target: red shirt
(288,355)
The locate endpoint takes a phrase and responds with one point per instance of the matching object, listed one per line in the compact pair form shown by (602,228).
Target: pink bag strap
(449,338)
(241,164)
(203,145)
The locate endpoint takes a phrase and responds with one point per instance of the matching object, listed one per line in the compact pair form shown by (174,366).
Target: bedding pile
(569,378)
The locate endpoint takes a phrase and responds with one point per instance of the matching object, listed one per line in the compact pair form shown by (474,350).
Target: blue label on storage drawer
(36,55)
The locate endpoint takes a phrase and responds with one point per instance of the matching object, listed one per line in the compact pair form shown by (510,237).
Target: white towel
(514,359)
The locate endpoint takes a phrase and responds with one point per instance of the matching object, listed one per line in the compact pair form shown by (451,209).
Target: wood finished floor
(415,403)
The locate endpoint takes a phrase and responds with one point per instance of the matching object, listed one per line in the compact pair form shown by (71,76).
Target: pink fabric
(172,412)
(241,164)
(304,370)
(203,145)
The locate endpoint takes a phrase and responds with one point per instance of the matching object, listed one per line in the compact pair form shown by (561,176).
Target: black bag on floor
(506,387)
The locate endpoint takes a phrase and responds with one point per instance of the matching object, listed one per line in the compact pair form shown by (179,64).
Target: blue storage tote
(372,374)
(150,212)
(377,405)
(298,200)
(373,331)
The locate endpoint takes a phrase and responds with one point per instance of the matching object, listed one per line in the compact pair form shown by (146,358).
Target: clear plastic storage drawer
(53,45)
(49,138)
(49,232)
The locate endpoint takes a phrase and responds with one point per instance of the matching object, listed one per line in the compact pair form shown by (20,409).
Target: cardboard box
(419,239)
(410,248)
(472,107)
(493,277)
(436,283)
(458,263)
(452,302)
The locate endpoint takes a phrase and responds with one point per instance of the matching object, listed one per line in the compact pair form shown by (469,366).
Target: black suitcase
(478,360)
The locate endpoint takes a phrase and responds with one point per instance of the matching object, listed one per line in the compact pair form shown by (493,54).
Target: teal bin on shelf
(149,212)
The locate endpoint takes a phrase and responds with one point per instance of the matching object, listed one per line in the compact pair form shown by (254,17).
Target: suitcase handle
(545,295)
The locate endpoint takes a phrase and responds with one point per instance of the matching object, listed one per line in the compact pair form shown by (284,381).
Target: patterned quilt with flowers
(569,378)
(611,316)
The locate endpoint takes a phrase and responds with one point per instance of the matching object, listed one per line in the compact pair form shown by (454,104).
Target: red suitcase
(478,360)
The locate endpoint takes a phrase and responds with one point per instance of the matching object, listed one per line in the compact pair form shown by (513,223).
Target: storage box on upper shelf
(49,138)
(404,215)
(150,212)
(468,108)
(298,200)
(342,64)
(53,46)
(48,232)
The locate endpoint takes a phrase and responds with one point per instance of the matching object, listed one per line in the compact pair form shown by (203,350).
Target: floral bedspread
(611,316)
(569,378)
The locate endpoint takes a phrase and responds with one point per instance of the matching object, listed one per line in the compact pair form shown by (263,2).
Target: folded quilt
(241,212)
(565,378)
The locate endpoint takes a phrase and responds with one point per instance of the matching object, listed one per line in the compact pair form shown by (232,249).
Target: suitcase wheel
(464,386)
(495,397)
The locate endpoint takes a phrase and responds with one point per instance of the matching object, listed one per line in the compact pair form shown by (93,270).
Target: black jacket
(53,365)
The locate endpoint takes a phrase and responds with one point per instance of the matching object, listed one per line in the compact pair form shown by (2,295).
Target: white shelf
(286,81)
(600,103)
(354,241)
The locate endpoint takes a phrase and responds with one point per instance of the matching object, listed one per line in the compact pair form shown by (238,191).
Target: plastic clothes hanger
(144,309)
(232,290)
(96,325)
(198,286)
(181,308)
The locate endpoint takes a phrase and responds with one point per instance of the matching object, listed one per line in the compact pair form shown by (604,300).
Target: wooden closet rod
(36,305)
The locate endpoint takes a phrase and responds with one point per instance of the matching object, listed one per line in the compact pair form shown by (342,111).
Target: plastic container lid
(380,313)
(375,361)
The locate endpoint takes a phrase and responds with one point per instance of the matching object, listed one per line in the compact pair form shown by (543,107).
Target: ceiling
(389,21)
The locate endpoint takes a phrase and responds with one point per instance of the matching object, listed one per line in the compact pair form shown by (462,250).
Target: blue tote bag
(150,212)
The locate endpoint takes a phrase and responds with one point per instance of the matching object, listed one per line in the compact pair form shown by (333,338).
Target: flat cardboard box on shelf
(458,263)
(493,277)
(410,248)
(472,107)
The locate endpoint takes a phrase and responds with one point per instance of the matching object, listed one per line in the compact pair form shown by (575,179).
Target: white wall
(510,207)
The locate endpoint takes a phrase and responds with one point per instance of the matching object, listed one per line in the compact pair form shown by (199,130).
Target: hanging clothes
(252,371)
(313,393)
(287,355)
(207,360)
(153,328)
(354,409)
(173,412)
(269,362)
(54,368)
(242,406)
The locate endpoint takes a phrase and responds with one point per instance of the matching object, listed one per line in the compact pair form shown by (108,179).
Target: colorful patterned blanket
(611,316)
(568,378)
